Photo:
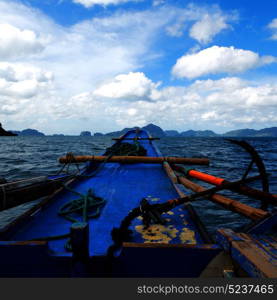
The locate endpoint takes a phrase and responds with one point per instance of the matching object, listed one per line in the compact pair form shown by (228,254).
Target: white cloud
(20,84)
(273,26)
(158,2)
(131,86)
(15,42)
(204,22)
(79,57)
(221,105)
(216,60)
(89,76)
(90,3)
(205,29)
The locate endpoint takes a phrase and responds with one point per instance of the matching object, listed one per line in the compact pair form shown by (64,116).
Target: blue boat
(90,227)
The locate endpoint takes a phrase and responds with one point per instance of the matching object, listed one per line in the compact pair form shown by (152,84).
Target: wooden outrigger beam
(136,139)
(133,159)
(22,191)
(242,189)
(233,205)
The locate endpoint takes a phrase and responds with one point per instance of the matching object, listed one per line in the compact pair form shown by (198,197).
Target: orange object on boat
(206,177)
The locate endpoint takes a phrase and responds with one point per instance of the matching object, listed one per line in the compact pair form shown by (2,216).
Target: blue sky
(101,65)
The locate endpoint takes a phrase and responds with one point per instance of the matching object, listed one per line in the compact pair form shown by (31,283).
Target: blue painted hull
(177,249)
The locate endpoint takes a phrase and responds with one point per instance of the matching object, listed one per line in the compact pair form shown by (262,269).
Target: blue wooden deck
(122,186)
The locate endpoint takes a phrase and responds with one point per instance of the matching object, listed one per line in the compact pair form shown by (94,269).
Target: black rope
(126,149)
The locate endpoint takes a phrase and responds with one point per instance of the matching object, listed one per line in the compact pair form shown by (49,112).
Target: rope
(82,205)
(123,233)
(149,212)
(126,149)
(71,159)
(89,201)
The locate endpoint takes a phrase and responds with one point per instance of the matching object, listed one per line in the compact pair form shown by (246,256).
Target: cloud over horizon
(98,72)
(231,102)
(217,60)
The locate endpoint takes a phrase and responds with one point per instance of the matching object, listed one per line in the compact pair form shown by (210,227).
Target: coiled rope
(88,204)
(84,204)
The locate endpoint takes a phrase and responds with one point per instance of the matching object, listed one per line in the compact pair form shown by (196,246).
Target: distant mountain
(154,130)
(240,132)
(199,133)
(266,132)
(58,134)
(85,133)
(172,133)
(3,132)
(29,132)
(157,131)
(119,133)
(98,134)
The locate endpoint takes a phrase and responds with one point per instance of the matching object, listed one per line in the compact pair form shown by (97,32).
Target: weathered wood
(12,195)
(19,183)
(187,206)
(134,159)
(233,205)
(44,201)
(170,172)
(241,189)
(136,138)
(255,254)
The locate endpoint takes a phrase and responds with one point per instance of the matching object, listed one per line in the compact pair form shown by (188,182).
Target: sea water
(25,157)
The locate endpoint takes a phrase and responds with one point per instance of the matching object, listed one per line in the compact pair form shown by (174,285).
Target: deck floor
(122,186)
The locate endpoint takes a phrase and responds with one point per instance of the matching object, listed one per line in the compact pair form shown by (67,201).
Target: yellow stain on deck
(157,233)
(187,236)
(154,199)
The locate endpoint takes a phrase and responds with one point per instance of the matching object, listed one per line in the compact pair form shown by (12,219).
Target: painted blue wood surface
(122,186)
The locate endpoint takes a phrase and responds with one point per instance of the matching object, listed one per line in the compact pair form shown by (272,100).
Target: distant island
(29,132)
(157,131)
(85,133)
(3,132)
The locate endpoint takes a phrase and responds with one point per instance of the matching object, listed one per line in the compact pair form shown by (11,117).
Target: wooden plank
(233,205)
(19,183)
(135,138)
(133,159)
(255,254)
(260,260)
(34,209)
(21,194)
(170,172)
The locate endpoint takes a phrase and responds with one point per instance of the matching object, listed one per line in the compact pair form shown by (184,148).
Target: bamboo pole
(135,138)
(233,205)
(133,159)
